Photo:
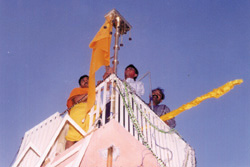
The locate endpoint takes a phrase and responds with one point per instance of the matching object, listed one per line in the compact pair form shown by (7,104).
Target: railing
(36,140)
(167,145)
(42,141)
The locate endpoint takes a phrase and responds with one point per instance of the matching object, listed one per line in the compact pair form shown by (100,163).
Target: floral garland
(137,126)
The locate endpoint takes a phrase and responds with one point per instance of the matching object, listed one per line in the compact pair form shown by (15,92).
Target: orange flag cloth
(100,56)
(216,93)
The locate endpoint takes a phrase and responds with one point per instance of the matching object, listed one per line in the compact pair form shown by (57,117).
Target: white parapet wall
(132,113)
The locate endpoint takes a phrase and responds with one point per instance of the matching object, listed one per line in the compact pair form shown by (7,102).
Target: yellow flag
(100,56)
(216,93)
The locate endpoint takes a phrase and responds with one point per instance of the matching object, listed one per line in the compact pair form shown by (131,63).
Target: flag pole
(122,27)
(116,47)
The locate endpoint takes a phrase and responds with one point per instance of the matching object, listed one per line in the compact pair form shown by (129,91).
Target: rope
(150,87)
(164,148)
(83,98)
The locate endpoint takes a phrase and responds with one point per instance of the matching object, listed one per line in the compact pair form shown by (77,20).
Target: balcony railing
(44,140)
(167,145)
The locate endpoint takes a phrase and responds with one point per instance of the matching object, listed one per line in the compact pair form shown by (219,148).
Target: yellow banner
(100,56)
(216,93)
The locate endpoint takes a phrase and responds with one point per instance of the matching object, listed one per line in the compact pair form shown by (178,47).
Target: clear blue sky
(190,47)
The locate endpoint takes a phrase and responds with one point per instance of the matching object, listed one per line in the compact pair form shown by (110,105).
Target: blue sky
(189,47)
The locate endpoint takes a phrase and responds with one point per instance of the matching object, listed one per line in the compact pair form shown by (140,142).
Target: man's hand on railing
(109,70)
(98,82)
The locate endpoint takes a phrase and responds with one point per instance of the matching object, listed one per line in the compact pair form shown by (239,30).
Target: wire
(150,87)
(83,98)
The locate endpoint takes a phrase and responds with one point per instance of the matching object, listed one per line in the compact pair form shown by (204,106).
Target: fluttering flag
(100,56)
(216,93)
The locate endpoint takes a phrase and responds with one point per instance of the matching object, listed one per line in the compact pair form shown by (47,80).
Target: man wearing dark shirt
(161,109)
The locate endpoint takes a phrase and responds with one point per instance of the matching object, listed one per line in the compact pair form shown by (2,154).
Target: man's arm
(171,123)
(76,99)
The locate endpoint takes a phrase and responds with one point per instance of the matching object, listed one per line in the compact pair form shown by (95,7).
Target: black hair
(82,78)
(136,71)
(161,91)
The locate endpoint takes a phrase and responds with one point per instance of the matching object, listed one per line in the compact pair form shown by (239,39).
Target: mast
(122,27)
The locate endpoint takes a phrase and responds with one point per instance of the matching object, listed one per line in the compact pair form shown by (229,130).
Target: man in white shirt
(130,75)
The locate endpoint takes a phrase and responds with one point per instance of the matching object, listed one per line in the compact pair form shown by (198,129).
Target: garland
(137,127)
(155,127)
(145,116)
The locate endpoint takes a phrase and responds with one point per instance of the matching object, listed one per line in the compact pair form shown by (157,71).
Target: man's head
(157,96)
(131,72)
(84,81)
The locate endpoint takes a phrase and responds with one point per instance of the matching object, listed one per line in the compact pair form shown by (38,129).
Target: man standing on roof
(130,74)
(161,109)
(78,99)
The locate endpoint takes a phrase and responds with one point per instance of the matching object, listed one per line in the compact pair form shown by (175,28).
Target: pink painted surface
(131,152)
(71,158)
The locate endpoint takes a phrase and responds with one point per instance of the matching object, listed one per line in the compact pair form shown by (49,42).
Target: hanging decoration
(216,93)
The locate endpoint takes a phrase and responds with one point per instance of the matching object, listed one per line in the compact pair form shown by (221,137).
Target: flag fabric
(216,93)
(100,56)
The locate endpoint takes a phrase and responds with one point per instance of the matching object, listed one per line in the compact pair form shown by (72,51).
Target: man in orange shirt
(78,101)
